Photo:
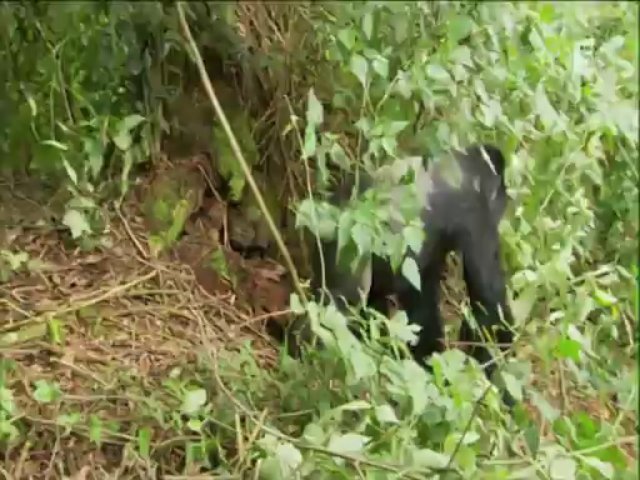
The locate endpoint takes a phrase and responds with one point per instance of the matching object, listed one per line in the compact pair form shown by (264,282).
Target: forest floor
(110,325)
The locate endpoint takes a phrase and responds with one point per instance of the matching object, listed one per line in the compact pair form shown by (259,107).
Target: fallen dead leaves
(123,323)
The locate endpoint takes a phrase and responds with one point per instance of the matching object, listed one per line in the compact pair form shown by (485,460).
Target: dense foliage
(555,85)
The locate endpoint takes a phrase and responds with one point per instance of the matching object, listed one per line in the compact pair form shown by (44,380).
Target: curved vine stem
(206,82)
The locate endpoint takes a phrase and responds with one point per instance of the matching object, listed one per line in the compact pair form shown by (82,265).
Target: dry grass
(109,327)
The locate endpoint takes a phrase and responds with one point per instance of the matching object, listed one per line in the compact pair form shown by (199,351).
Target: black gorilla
(461,216)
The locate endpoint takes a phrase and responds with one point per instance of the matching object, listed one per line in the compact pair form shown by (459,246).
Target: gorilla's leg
(487,291)
(422,309)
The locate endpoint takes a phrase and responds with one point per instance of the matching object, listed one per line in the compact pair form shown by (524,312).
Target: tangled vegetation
(119,362)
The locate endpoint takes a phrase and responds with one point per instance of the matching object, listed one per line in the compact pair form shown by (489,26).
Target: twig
(238,152)
(605,445)
(23,457)
(133,238)
(466,428)
(87,303)
(225,218)
(320,253)
(476,407)
(81,371)
(250,441)
(563,387)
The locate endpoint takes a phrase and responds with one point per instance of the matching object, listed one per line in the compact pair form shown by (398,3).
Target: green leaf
(411,272)
(349,443)
(521,307)
(295,304)
(491,112)
(15,260)
(547,114)
(381,66)
(362,364)
(362,236)
(46,392)
(513,385)
(193,400)
(7,401)
(348,37)
(355,406)
(289,457)
(319,217)
(459,27)
(69,420)
(536,41)
(367,24)
(77,223)
(144,441)
(56,330)
(394,128)
(604,468)
(400,26)
(70,171)
(611,46)
(390,145)
(123,140)
(562,468)
(426,458)
(345,223)
(93,151)
(310,141)
(385,414)
(414,236)
(452,362)
(604,299)
(549,413)
(32,104)
(403,85)
(334,319)
(55,144)
(574,334)
(364,125)
(313,434)
(438,73)
(219,264)
(547,12)
(96,428)
(195,425)
(462,55)
(131,122)
(314,109)
(400,328)
(360,68)
(579,63)
(466,458)
(532,437)
(567,348)
(338,156)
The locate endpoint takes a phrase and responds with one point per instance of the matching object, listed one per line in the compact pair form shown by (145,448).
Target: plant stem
(206,82)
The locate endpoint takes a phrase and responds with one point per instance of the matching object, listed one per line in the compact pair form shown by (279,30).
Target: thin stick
(238,152)
(113,292)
